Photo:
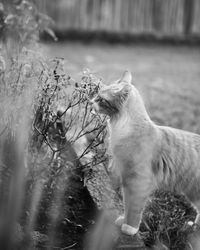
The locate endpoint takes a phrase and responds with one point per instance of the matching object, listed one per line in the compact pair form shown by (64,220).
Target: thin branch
(90,144)
(3,130)
(85,114)
(68,247)
(87,132)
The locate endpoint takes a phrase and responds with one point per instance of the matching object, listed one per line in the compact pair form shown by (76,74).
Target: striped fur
(146,155)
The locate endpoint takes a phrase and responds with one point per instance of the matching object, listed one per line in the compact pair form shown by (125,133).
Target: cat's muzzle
(94,106)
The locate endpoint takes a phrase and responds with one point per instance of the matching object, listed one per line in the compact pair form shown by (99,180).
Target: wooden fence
(172,18)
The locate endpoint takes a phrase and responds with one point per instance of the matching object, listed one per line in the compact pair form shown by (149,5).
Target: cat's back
(179,150)
(179,159)
(176,138)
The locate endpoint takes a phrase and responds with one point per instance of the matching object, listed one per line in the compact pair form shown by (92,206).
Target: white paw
(129,230)
(119,221)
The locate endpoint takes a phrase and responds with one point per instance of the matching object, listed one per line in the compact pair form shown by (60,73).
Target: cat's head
(111,98)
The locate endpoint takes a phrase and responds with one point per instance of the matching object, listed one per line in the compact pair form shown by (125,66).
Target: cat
(147,156)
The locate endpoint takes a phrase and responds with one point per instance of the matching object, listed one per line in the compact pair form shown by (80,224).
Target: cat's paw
(129,230)
(119,221)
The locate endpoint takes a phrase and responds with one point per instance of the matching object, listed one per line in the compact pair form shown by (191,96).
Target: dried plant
(49,115)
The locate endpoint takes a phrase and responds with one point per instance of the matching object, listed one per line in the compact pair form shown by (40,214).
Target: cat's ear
(126,77)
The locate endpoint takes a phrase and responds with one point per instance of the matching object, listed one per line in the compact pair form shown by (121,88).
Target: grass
(167,76)
(166,219)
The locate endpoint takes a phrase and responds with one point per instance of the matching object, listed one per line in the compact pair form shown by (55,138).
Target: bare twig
(3,130)
(68,247)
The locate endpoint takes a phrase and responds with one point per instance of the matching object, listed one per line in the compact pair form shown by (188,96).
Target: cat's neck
(133,114)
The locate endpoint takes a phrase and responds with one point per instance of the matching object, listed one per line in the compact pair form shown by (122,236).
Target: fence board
(160,17)
(196,18)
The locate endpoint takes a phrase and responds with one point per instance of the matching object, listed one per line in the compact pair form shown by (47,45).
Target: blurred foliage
(21,23)
(49,138)
(50,132)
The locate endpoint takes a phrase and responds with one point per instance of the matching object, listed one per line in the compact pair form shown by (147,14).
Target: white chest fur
(131,143)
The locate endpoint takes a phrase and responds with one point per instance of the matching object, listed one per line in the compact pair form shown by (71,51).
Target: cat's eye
(103,101)
(99,99)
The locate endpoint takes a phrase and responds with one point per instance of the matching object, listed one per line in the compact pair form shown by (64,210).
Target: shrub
(47,126)
(167,219)
(22,23)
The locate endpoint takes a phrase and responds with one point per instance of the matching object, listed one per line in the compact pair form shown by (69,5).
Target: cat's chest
(129,144)
(123,145)
(119,130)
(119,135)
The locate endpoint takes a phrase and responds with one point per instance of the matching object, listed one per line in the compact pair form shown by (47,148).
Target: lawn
(168,77)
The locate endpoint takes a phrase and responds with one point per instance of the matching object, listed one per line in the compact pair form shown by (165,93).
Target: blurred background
(157,40)
(175,19)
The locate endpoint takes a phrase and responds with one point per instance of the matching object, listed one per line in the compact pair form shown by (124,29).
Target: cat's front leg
(136,193)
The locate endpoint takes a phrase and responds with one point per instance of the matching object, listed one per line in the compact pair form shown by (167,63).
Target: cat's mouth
(95,108)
